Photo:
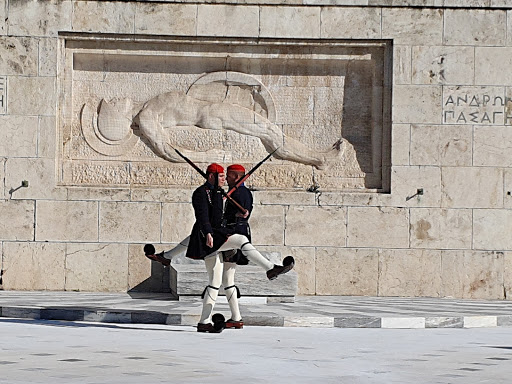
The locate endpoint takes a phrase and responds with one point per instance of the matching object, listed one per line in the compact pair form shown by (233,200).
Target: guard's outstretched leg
(149,251)
(287,266)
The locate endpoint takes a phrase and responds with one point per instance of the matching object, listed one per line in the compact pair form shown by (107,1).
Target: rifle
(246,176)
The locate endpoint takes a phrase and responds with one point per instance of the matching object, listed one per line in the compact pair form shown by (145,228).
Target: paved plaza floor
(50,351)
(76,337)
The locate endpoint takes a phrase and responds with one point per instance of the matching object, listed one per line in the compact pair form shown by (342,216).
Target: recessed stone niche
(127,103)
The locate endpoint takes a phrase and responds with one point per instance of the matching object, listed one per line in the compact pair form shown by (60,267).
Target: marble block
(480,321)
(175,19)
(311,321)
(357,322)
(412,26)
(444,322)
(475,27)
(403,322)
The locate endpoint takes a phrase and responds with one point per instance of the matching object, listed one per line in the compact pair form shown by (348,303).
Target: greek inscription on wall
(3,95)
(477,105)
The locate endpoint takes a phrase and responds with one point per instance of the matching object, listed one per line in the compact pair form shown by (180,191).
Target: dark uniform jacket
(208,209)
(236,224)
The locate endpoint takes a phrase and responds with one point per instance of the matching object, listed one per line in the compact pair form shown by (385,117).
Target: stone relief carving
(124,105)
(218,101)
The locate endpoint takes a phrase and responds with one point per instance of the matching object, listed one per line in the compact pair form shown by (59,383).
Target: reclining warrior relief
(178,109)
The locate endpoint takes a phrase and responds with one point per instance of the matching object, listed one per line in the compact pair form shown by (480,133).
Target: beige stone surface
(354,198)
(295,22)
(267,225)
(446,145)
(441,228)
(170,19)
(48,57)
(305,264)
(475,27)
(227,20)
(405,182)
(315,226)
(402,68)
(305,261)
(145,275)
(472,274)
(40,174)
(443,65)
(467,3)
(492,228)
(509,26)
(401,137)
(66,220)
(410,272)
(417,104)
(177,221)
(17,220)
(39,18)
(101,194)
(46,139)
(18,136)
(19,56)
(97,267)
(167,195)
(507,197)
(491,146)
(283,198)
(350,23)
(110,17)
(134,222)
(382,227)
(507,275)
(346,271)
(3,14)
(2,177)
(42,100)
(413,26)
(472,187)
(97,173)
(492,66)
(33,266)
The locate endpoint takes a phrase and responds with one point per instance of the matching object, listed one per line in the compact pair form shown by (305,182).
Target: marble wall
(427,81)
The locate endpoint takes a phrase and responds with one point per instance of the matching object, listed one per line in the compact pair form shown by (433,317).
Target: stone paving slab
(306,311)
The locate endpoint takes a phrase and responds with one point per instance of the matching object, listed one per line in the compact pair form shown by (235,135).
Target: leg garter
(238,295)
(206,288)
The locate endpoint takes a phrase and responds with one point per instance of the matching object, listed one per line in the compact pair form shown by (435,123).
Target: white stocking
(214,267)
(228,281)
(181,247)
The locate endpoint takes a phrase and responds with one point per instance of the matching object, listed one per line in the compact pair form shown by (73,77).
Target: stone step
(189,278)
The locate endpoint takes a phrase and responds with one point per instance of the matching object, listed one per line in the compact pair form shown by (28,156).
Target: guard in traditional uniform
(235,222)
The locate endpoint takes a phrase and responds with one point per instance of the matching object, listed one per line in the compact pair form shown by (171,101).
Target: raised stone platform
(189,278)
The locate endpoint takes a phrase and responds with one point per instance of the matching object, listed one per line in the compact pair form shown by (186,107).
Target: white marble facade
(420,91)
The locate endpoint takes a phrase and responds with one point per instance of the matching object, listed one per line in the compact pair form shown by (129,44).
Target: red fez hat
(215,168)
(236,168)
